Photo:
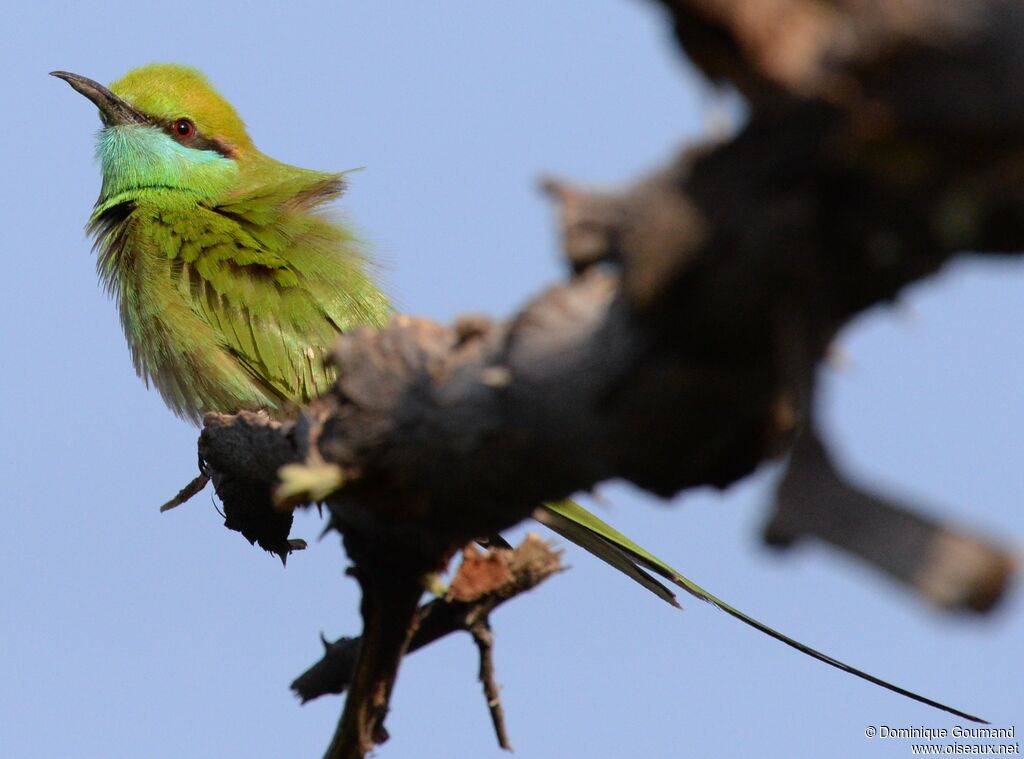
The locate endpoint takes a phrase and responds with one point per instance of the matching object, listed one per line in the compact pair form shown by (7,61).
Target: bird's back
(235,304)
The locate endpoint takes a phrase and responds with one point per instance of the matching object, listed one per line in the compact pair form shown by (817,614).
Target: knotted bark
(885,137)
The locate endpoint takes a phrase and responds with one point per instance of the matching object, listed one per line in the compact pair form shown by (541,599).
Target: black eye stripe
(198,140)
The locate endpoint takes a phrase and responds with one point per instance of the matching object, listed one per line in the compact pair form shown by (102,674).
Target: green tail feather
(593,542)
(576,524)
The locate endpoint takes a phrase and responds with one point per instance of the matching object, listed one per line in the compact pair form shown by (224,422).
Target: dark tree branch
(944,563)
(739,261)
(391,580)
(482,583)
(477,590)
(243,454)
(484,639)
(885,137)
(333,672)
(386,621)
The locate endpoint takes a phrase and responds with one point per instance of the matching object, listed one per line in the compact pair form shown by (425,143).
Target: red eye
(183,129)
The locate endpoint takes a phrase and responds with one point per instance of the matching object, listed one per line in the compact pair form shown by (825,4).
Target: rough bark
(885,136)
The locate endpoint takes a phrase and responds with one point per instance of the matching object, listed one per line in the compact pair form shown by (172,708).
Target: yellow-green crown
(169,91)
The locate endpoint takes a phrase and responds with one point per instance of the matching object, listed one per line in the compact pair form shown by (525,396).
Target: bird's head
(165,128)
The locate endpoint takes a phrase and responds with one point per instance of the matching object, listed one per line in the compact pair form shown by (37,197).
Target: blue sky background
(126,633)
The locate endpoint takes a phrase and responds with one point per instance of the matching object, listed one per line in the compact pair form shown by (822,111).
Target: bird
(232,282)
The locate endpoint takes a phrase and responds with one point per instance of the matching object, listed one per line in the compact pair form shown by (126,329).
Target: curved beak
(113,110)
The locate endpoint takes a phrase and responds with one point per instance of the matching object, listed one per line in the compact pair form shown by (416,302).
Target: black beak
(113,110)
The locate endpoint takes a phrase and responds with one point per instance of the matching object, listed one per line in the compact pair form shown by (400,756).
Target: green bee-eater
(232,283)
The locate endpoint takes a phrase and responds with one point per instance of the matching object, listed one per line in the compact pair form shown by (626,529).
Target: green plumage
(232,283)
(231,288)
(232,301)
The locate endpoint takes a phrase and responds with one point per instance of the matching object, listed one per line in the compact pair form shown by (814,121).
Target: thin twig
(187,492)
(484,639)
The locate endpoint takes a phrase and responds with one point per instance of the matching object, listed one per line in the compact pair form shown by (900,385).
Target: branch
(947,565)
(391,584)
(482,583)
(939,64)
(737,263)
(484,639)
(885,136)
(527,566)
